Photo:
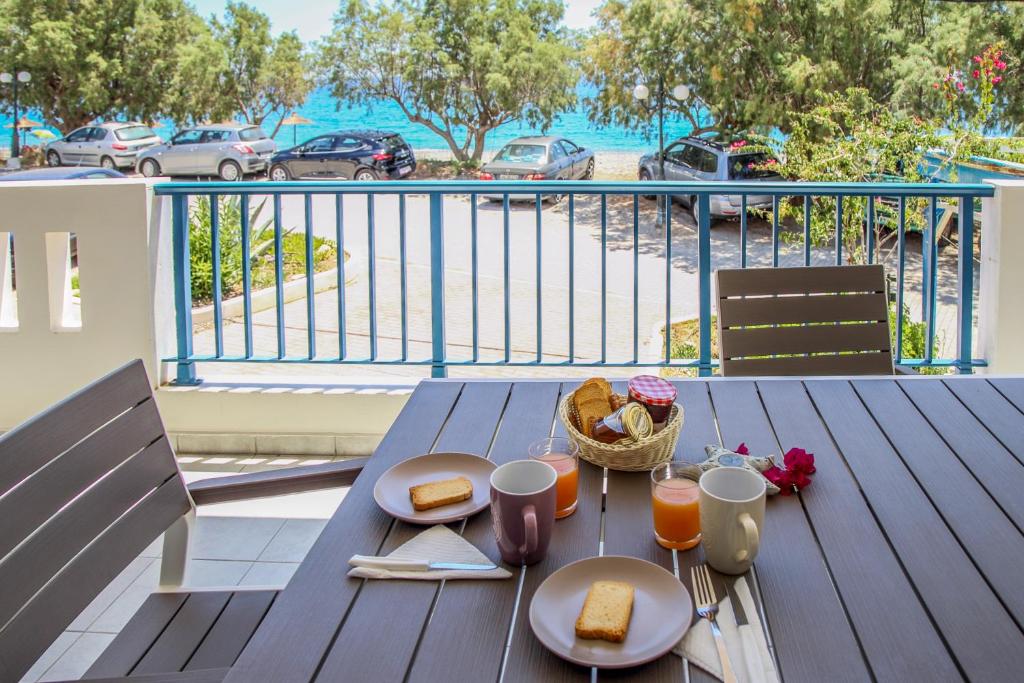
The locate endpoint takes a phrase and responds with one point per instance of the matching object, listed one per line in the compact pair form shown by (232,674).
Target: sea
(327,114)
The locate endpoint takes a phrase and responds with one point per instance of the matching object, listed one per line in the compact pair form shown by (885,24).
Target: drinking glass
(563,455)
(675,496)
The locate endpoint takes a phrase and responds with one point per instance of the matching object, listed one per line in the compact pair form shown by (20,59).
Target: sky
(314,18)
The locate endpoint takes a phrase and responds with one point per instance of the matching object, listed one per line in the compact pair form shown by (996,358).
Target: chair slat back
(101,490)
(830,320)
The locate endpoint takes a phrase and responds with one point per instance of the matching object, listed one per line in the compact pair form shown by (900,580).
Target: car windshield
(522,154)
(251,134)
(751,166)
(134,133)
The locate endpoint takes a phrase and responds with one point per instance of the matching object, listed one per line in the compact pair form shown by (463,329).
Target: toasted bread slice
(606,612)
(434,494)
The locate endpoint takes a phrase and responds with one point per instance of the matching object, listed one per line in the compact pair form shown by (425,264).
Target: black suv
(349,154)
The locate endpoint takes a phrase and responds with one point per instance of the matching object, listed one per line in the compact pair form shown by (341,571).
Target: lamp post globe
(641,92)
(24,76)
(681,92)
(6,77)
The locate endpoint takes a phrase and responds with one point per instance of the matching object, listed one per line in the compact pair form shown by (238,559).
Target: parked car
(538,158)
(699,158)
(228,150)
(350,154)
(63,173)
(110,145)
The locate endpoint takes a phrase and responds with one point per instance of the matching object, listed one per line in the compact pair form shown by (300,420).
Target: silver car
(538,158)
(228,150)
(110,145)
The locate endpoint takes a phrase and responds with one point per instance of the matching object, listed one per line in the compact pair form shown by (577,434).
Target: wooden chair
(804,321)
(85,487)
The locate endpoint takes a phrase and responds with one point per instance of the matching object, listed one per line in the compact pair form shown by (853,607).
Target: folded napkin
(748,649)
(436,544)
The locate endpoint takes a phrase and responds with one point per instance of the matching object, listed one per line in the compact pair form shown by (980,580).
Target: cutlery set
(706,601)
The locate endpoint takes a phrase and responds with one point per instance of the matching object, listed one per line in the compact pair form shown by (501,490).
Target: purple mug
(523,509)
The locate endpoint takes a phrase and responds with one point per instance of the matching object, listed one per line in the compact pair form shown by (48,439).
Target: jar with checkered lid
(656,394)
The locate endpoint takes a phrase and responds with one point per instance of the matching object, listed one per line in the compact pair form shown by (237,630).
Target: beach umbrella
(43,134)
(24,123)
(294,121)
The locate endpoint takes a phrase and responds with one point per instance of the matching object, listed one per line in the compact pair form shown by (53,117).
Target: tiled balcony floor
(250,543)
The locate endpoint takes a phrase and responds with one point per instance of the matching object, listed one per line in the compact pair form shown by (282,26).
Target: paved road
(554,289)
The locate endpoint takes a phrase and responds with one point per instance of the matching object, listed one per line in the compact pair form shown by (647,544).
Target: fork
(707,607)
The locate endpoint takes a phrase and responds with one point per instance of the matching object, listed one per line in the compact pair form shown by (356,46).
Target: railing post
(186,373)
(704,276)
(965,277)
(438,368)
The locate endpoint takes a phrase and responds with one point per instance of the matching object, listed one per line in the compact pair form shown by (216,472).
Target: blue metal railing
(181,196)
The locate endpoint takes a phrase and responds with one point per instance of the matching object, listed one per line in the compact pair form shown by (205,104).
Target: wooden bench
(831,320)
(85,487)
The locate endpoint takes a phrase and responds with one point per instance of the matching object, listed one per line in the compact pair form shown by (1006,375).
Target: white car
(110,145)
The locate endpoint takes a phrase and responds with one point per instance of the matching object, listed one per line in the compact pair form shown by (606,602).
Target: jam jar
(655,394)
(631,421)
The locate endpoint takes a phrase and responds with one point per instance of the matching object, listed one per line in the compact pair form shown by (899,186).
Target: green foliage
(757,64)
(95,58)
(261,249)
(915,339)
(238,67)
(459,67)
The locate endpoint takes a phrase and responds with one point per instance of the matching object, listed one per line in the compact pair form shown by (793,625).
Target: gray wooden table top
(900,562)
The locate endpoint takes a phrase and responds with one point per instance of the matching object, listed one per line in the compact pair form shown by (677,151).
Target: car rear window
(134,133)
(523,154)
(251,134)
(750,166)
(392,141)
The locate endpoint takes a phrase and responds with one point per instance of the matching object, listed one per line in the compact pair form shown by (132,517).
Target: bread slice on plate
(606,612)
(434,494)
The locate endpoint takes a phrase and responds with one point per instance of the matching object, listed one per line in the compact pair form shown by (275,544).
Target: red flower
(996,79)
(1001,66)
(960,87)
(976,73)
(977,59)
(799,465)
(742,449)
(935,85)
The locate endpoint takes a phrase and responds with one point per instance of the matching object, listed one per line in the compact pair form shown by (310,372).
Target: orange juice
(566,485)
(676,513)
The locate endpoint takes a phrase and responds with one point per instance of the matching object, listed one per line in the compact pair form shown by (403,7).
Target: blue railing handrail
(439,360)
(783,188)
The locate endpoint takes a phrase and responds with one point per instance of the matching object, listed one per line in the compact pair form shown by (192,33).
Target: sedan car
(350,154)
(110,145)
(539,158)
(692,159)
(64,173)
(228,150)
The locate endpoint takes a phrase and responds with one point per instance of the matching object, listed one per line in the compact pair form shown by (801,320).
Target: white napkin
(436,544)
(748,650)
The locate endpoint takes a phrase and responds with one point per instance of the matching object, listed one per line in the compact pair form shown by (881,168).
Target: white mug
(731,517)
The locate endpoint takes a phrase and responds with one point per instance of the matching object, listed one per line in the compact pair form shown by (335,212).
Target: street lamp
(14,79)
(679,95)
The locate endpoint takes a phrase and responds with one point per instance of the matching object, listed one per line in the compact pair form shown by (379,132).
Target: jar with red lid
(655,394)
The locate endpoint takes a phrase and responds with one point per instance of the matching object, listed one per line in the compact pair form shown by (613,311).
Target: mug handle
(530,526)
(753,537)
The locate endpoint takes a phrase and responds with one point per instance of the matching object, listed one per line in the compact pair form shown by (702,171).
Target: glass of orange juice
(674,496)
(563,455)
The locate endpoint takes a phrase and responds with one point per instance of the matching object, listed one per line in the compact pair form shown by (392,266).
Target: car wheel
(365,175)
(108,163)
(230,171)
(279,173)
(589,173)
(52,158)
(645,177)
(149,168)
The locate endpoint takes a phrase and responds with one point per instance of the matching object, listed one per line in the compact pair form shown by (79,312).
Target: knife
(413,565)
(751,653)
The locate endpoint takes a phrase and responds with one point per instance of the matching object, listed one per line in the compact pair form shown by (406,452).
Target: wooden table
(901,562)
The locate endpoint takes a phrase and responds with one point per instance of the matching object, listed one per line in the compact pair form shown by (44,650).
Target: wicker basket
(637,456)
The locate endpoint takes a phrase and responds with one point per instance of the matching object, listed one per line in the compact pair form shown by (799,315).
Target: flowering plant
(799,465)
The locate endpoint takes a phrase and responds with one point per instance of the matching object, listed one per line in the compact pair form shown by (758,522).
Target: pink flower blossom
(976,73)
(977,59)
(1001,66)
(935,85)
(960,87)
(742,449)
(996,79)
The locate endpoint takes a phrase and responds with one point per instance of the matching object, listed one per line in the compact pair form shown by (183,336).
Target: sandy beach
(610,165)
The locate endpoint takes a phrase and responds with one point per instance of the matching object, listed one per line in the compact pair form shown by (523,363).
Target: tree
(756,64)
(95,58)
(459,67)
(239,68)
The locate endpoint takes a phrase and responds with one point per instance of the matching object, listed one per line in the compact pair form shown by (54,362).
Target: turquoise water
(323,110)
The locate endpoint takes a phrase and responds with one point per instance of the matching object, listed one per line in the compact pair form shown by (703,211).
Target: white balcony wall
(1001,316)
(52,344)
